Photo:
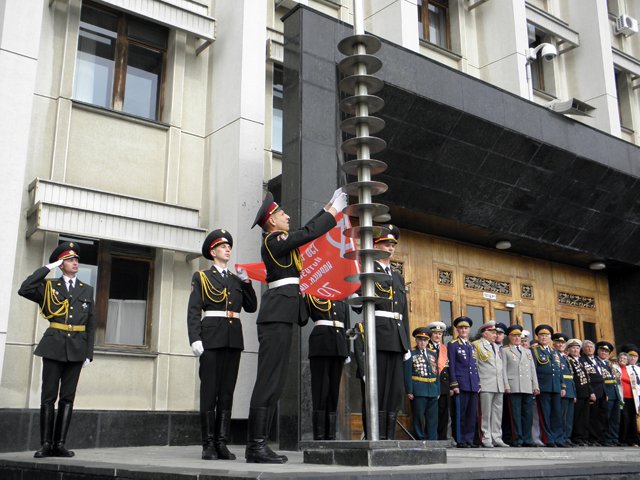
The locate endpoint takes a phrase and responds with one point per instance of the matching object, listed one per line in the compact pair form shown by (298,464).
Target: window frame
(543,71)
(424,17)
(120,63)
(107,250)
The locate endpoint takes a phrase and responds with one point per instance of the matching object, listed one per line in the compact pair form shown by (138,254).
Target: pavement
(184,463)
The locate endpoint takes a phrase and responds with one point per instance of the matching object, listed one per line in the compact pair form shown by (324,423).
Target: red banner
(324,267)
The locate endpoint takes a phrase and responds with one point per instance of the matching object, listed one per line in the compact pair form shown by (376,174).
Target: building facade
(134,127)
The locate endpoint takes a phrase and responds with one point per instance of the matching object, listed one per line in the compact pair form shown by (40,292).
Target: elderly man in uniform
(551,384)
(501,330)
(493,378)
(67,345)
(568,399)
(392,334)
(614,399)
(521,386)
(597,410)
(465,383)
(282,305)
(584,394)
(421,385)
(216,338)
(436,332)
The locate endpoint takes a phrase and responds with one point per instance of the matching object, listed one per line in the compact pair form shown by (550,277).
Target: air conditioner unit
(626,25)
(571,106)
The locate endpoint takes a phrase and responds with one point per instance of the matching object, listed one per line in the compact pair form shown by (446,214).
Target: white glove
(407,355)
(242,274)
(197,348)
(340,202)
(54,265)
(347,360)
(86,363)
(336,194)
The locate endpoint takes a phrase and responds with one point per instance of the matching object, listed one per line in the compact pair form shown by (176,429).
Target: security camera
(549,52)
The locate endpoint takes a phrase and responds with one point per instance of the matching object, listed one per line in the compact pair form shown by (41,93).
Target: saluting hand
(54,265)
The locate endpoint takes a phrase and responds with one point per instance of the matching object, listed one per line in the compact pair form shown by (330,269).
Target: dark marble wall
(624,289)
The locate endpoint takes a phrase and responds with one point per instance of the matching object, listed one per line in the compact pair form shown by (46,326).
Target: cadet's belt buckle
(335,323)
(230,314)
(396,316)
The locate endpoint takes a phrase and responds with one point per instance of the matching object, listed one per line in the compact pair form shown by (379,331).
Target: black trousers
(326,373)
(443,416)
(598,420)
(273,360)
(628,431)
(580,432)
(218,375)
(59,381)
(390,381)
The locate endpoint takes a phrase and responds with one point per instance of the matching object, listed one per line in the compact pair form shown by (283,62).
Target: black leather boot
(382,425)
(317,419)
(207,421)
(223,426)
(391,425)
(257,450)
(63,420)
(47,413)
(330,430)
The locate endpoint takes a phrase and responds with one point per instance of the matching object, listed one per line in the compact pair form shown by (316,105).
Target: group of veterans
(481,392)
(554,391)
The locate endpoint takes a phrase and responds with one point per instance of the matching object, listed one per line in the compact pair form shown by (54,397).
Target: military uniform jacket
(51,295)
(442,359)
(493,376)
(580,378)
(326,341)
(548,369)
(610,382)
(594,371)
(279,252)
(421,374)
(462,366)
(210,291)
(520,370)
(392,335)
(567,376)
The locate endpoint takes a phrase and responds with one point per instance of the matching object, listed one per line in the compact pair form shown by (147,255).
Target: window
(613,7)
(433,22)
(277,117)
(446,312)
(120,62)
(589,330)
(527,320)
(475,313)
(542,73)
(623,91)
(121,276)
(567,327)
(503,316)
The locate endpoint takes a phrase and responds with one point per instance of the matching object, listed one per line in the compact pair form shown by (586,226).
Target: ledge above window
(76,210)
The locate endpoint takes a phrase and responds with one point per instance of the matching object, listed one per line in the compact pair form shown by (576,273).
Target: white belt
(285,281)
(383,313)
(328,323)
(221,313)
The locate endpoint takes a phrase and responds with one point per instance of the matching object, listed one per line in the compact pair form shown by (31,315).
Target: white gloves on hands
(340,202)
(347,360)
(86,363)
(336,194)
(407,355)
(242,274)
(197,348)
(54,265)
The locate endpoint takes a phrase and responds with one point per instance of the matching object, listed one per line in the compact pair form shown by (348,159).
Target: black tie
(493,347)
(70,285)
(388,270)
(518,348)
(224,274)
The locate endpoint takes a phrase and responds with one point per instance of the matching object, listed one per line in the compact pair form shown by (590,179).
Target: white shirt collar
(220,269)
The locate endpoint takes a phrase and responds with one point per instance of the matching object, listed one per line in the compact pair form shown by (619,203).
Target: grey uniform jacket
(490,369)
(520,368)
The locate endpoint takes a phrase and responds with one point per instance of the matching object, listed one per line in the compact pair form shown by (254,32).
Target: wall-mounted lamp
(510,305)
(597,266)
(503,244)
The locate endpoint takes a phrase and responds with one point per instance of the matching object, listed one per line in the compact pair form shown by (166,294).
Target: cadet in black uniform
(392,335)
(66,346)
(328,350)
(282,305)
(216,337)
